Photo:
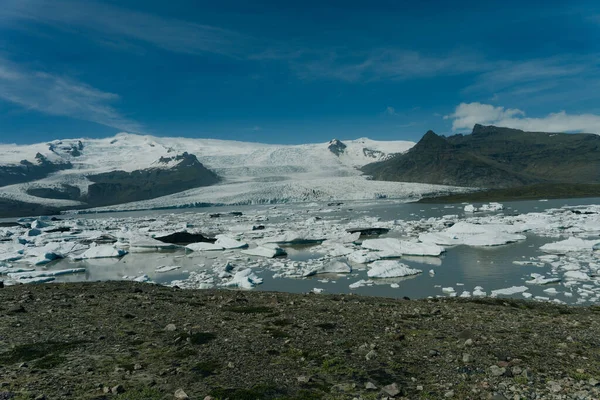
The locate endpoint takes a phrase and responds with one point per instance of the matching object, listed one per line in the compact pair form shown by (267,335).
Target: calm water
(461,267)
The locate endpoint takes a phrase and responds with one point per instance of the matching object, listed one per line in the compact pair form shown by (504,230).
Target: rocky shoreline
(127,340)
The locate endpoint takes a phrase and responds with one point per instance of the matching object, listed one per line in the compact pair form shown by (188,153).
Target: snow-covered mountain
(67,172)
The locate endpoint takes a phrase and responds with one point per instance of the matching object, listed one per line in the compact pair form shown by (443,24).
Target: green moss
(141,394)
(206,368)
(33,351)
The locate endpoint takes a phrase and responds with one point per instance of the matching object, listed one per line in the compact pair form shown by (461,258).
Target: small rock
(117,389)
(499,396)
(170,328)
(420,388)
(449,394)
(41,397)
(370,386)
(554,386)
(303,379)
(371,355)
(209,398)
(181,395)
(434,353)
(467,358)
(497,371)
(469,342)
(392,390)
(592,382)
(17,309)
(23,365)
(517,371)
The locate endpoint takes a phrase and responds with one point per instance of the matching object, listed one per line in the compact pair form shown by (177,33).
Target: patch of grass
(578,376)
(141,394)
(521,380)
(277,333)
(33,351)
(50,361)
(326,326)
(206,368)
(249,309)
(263,392)
(282,322)
(199,338)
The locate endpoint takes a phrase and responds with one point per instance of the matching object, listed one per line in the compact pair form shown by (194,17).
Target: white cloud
(55,95)
(468,114)
(105,19)
(389,110)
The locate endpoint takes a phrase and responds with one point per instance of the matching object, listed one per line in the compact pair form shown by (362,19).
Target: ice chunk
(38,274)
(317,290)
(167,268)
(102,251)
(396,248)
(576,276)
(571,244)
(204,246)
(268,250)
(390,269)
(363,257)
(334,267)
(509,291)
(470,208)
(491,207)
(244,279)
(541,280)
(358,284)
(227,242)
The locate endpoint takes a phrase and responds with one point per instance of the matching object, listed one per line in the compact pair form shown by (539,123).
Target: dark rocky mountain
(28,171)
(122,187)
(494,157)
(336,147)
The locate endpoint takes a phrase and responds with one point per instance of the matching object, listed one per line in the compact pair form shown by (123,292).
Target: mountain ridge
(495,157)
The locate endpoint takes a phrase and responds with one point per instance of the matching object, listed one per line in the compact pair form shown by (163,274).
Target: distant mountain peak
(431,141)
(336,147)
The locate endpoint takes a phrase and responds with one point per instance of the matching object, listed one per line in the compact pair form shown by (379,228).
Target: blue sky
(295,72)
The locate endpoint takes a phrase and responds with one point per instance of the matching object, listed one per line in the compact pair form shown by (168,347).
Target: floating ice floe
(509,291)
(479,292)
(390,247)
(491,207)
(333,267)
(538,279)
(102,251)
(204,246)
(43,274)
(360,283)
(576,276)
(390,269)
(363,256)
(470,208)
(474,235)
(167,268)
(227,242)
(268,250)
(571,244)
(244,279)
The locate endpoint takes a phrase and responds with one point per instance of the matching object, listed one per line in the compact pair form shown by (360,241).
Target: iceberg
(390,269)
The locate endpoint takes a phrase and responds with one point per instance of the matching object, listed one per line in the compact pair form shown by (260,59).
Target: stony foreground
(123,340)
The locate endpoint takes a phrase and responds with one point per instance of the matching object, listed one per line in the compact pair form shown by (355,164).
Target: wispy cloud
(105,19)
(468,114)
(389,110)
(531,76)
(56,95)
(376,65)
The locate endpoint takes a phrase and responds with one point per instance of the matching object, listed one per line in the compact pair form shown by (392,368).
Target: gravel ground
(124,340)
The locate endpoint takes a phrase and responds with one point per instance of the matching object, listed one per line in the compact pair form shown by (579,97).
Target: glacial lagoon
(315,237)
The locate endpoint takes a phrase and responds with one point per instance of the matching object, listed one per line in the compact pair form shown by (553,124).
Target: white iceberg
(390,269)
